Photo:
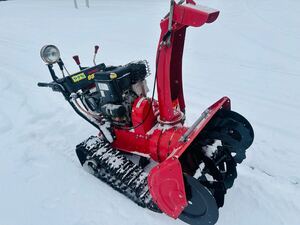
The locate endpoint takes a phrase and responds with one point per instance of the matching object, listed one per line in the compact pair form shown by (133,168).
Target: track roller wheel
(90,166)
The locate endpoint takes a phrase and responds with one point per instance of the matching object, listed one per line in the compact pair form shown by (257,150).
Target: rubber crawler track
(113,168)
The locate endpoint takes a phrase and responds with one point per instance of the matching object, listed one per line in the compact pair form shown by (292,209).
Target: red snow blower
(195,166)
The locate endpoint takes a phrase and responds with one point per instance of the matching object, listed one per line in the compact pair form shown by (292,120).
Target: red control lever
(76,59)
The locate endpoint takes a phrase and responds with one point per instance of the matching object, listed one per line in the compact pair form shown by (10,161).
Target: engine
(116,89)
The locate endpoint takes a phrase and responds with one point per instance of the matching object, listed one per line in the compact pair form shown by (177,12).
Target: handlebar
(40,84)
(66,85)
(53,85)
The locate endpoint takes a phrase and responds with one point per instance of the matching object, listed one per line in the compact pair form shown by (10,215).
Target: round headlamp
(50,54)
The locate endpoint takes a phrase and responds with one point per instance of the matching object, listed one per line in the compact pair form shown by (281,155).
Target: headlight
(50,54)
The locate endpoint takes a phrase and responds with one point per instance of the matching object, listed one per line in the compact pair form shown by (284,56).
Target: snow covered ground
(252,54)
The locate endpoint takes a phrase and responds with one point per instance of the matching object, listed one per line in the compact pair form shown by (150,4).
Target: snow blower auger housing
(195,165)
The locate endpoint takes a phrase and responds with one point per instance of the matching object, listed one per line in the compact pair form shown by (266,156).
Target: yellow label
(91,76)
(78,77)
(113,76)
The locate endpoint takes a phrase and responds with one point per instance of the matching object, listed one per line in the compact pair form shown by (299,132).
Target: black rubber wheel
(202,208)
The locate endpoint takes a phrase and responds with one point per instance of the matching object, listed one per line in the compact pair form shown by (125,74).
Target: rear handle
(54,86)
(40,84)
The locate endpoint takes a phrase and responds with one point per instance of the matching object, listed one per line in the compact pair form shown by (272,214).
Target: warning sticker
(78,77)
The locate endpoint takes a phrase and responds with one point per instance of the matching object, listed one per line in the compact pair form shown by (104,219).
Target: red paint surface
(149,136)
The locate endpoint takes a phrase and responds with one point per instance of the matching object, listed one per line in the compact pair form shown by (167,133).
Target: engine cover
(113,84)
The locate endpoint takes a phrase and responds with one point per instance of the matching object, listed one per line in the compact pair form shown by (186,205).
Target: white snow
(209,150)
(251,54)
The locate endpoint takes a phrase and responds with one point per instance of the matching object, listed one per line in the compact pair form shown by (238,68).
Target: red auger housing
(163,135)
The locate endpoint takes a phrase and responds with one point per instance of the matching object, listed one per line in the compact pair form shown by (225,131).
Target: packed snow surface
(251,53)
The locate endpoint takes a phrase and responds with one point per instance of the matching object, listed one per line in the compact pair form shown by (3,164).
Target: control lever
(77,61)
(95,54)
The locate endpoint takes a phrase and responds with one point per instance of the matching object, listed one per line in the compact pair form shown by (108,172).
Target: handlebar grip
(55,87)
(43,84)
